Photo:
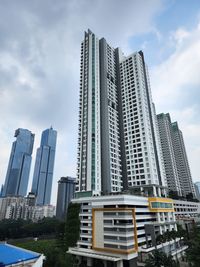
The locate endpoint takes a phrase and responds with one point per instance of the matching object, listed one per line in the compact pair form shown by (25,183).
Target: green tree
(12,229)
(72,228)
(65,235)
(160,259)
(160,239)
(192,253)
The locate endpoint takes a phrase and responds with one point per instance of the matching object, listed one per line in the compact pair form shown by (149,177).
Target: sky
(40,58)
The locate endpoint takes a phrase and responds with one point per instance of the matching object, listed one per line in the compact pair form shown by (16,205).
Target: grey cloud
(7,76)
(42,40)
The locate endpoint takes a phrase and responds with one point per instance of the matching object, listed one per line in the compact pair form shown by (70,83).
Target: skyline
(33,45)
(44,167)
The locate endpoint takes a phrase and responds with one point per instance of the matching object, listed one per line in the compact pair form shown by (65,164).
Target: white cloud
(181,70)
(176,83)
(180,35)
(39,68)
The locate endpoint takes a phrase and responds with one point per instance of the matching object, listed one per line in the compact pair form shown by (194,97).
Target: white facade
(122,228)
(21,208)
(40,212)
(119,228)
(143,157)
(186,208)
(118,144)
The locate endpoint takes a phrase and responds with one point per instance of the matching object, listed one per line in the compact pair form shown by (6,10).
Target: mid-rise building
(39,212)
(66,191)
(44,166)
(15,208)
(118,145)
(175,157)
(187,209)
(17,176)
(24,208)
(121,230)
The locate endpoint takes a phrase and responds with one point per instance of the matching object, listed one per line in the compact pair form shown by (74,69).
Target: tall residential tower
(17,176)
(118,145)
(44,165)
(166,136)
(177,168)
(182,163)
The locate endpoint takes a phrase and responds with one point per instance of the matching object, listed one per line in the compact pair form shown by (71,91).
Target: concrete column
(89,262)
(120,263)
(141,191)
(154,191)
(159,192)
(158,217)
(168,217)
(165,192)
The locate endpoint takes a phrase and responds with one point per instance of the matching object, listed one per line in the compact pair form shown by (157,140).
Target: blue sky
(39,66)
(173,15)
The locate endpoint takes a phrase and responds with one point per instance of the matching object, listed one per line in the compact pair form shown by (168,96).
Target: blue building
(15,256)
(44,165)
(66,191)
(17,176)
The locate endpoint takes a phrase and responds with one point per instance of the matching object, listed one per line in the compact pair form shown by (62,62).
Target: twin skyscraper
(17,177)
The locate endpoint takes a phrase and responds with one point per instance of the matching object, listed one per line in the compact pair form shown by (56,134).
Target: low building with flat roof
(121,230)
(15,256)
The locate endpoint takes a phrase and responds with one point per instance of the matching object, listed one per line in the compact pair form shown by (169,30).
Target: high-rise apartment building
(44,165)
(175,158)
(197,190)
(166,137)
(118,145)
(143,158)
(66,191)
(17,176)
(182,163)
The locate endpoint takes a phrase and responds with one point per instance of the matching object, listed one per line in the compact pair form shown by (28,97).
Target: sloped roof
(11,255)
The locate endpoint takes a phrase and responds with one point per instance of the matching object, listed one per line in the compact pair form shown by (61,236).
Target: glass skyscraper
(44,165)
(17,176)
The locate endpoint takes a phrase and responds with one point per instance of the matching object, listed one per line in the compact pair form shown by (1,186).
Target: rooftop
(12,255)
